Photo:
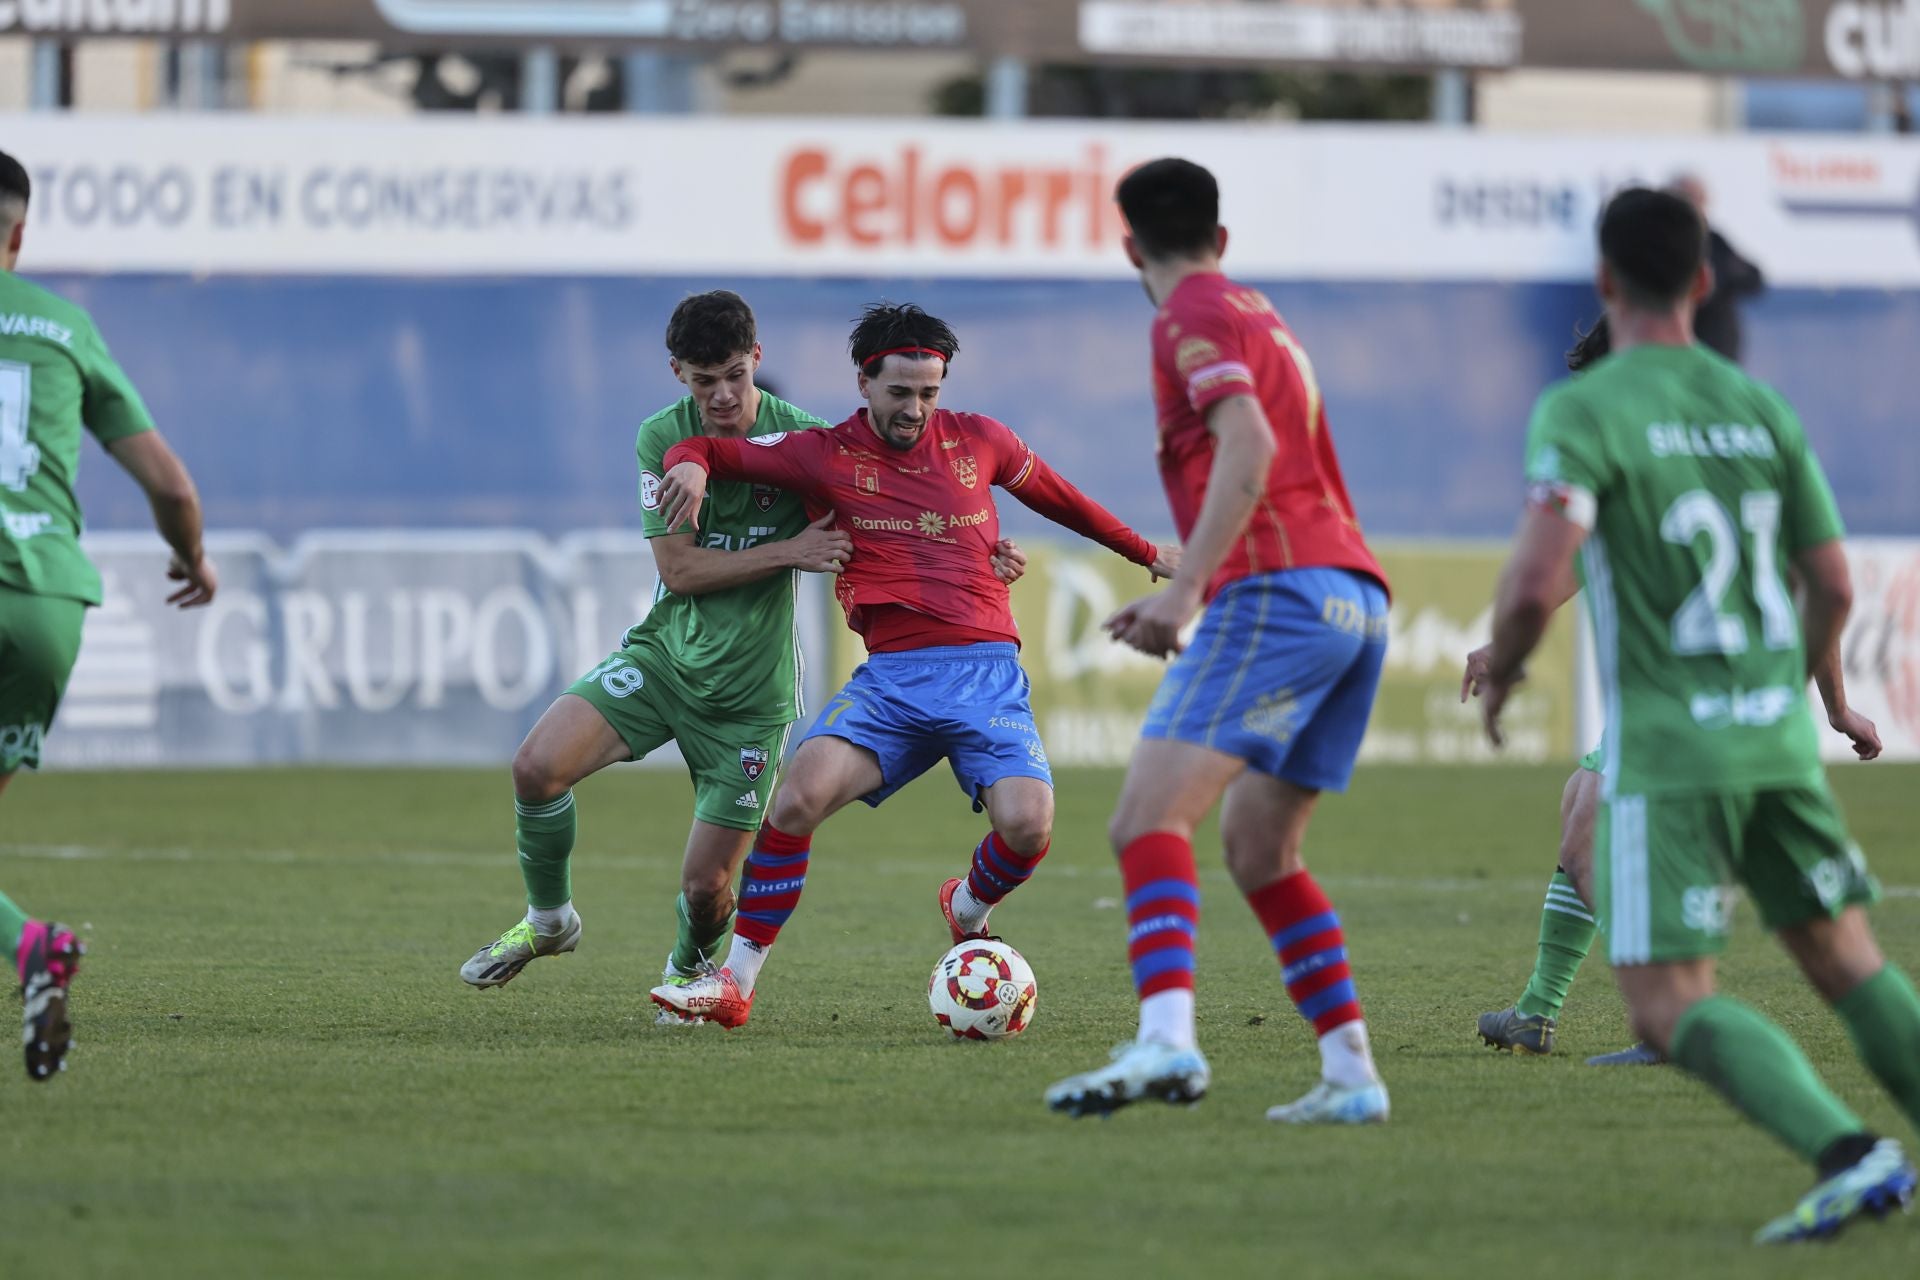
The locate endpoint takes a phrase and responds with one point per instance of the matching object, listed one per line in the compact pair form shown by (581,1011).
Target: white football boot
(1329,1103)
(1140,1069)
(714,996)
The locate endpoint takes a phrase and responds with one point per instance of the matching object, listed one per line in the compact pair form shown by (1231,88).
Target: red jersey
(922,520)
(1213,339)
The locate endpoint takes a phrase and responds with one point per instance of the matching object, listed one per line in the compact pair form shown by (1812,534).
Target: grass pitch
(279,1073)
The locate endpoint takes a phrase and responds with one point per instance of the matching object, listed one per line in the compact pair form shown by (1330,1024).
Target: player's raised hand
(1009,561)
(682,493)
(1153,625)
(1474,679)
(821,548)
(1860,731)
(203,582)
(1166,562)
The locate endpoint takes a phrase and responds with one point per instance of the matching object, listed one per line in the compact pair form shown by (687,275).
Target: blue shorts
(1282,674)
(970,704)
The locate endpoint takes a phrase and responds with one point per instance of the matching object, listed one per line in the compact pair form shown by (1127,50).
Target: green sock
(13,922)
(1884,1016)
(695,942)
(1754,1065)
(1566,934)
(544,834)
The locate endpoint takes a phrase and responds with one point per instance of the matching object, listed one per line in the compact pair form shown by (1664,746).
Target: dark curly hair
(885,327)
(1588,347)
(711,328)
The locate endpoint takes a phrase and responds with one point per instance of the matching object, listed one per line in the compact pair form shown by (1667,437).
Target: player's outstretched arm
(1242,456)
(176,512)
(691,570)
(1826,597)
(1474,679)
(1532,587)
(1040,488)
(1860,731)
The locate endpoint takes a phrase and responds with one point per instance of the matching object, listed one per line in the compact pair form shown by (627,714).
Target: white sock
(745,959)
(1167,1016)
(1346,1057)
(548,921)
(969,911)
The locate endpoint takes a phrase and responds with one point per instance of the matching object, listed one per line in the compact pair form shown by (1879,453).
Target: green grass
(280,1075)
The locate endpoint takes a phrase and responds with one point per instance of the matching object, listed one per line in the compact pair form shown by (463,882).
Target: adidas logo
(748,801)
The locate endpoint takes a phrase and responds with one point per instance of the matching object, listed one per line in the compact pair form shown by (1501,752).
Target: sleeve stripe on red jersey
(1026,469)
(1224,371)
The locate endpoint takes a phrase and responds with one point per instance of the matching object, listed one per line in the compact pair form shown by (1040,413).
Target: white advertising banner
(1880,650)
(433,648)
(212,194)
(1879,654)
(365,648)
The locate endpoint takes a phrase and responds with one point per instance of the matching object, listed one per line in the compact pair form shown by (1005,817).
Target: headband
(905,351)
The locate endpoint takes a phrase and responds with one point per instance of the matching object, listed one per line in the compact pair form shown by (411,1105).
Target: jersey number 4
(19,457)
(1699,626)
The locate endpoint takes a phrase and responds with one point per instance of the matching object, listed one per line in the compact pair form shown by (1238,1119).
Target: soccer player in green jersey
(1686,490)
(1567,927)
(715,664)
(56,378)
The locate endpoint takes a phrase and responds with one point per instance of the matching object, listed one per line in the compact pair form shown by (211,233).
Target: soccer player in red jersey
(1269,703)
(911,483)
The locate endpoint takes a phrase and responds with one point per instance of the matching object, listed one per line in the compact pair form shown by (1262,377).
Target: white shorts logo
(1708,909)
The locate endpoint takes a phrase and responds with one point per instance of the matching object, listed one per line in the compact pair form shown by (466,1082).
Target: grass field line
(644,862)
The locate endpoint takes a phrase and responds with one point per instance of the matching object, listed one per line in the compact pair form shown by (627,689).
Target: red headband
(902,351)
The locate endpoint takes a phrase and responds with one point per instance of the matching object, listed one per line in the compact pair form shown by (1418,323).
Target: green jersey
(737,651)
(1697,488)
(55,376)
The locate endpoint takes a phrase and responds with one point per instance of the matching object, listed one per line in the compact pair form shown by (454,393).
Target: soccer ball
(982,990)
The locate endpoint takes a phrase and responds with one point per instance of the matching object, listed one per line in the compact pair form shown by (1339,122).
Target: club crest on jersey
(753,762)
(865,478)
(764,496)
(1195,353)
(965,470)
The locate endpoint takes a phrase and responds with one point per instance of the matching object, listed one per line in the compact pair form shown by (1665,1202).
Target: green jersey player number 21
(1685,490)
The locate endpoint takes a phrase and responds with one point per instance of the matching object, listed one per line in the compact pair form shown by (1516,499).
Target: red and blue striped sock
(1305,931)
(769,891)
(1163,919)
(997,870)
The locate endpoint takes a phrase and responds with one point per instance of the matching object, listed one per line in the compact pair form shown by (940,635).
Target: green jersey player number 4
(57,382)
(1686,491)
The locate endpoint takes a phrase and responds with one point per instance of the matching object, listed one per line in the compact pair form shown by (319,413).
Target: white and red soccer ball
(982,990)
